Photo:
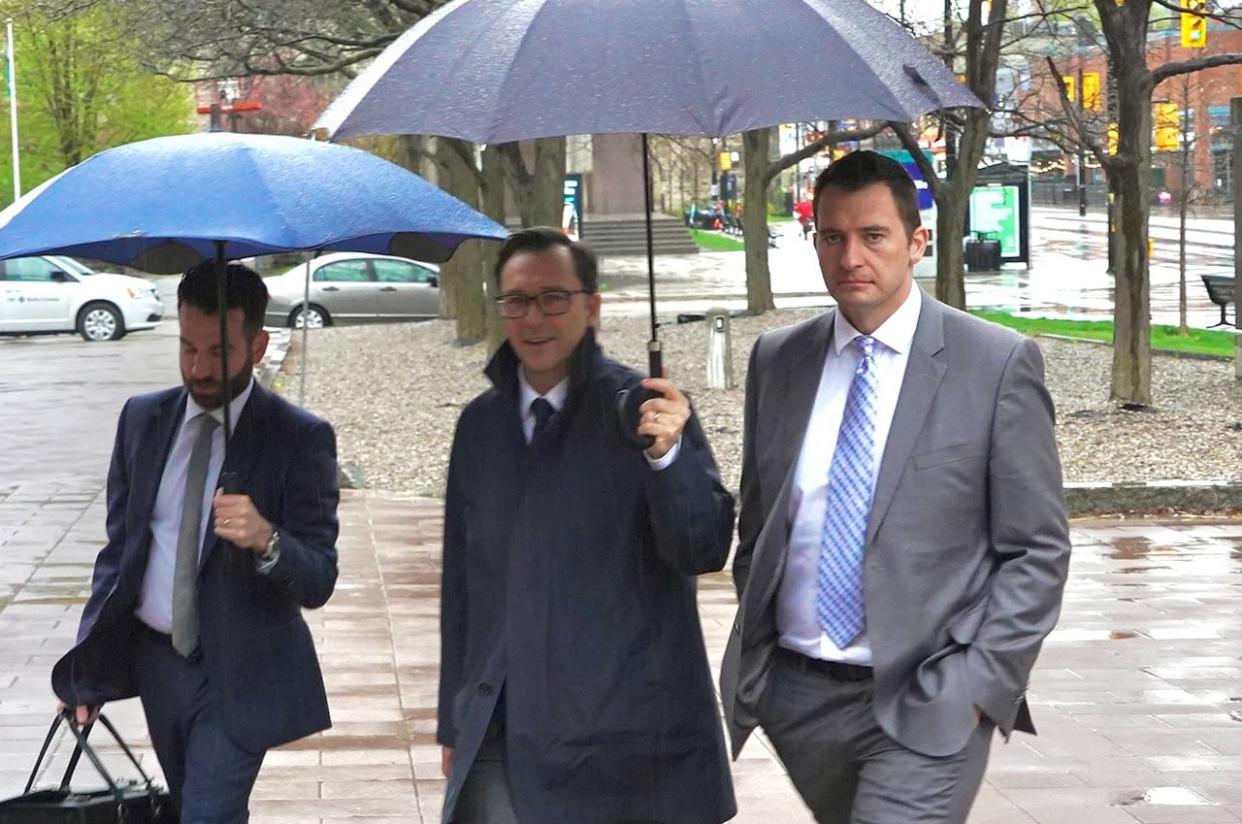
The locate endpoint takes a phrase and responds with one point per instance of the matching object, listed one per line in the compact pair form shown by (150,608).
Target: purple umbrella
(493,71)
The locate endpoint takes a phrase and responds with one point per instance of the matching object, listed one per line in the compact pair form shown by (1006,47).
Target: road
(1067,277)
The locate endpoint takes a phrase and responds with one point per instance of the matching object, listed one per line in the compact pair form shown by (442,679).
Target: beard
(209,394)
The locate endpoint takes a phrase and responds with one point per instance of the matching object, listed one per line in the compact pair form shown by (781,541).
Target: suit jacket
(260,658)
(569,586)
(967,544)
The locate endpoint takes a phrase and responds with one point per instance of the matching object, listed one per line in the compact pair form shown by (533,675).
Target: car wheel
(316,317)
(100,321)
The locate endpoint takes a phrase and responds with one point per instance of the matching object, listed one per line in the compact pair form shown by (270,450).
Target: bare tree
(981,54)
(760,171)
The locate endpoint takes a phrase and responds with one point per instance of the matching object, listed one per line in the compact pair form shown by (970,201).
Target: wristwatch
(271,552)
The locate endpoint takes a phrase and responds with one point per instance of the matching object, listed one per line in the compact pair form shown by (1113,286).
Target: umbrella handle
(629,416)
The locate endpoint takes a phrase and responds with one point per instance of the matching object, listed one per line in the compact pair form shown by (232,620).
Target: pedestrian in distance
(574,684)
(197,597)
(902,536)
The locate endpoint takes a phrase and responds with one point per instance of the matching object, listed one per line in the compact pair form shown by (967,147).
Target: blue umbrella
(164,204)
(493,71)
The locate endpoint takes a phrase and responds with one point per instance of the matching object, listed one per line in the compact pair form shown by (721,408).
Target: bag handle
(83,746)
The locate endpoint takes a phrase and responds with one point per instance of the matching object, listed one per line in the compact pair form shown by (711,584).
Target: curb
(277,348)
(1083,498)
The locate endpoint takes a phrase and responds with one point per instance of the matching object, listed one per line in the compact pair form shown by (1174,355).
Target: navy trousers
(209,777)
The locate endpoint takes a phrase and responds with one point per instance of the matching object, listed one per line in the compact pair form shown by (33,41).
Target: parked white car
(354,287)
(52,293)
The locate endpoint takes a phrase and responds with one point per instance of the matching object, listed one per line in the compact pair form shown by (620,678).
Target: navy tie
(839,603)
(542,410)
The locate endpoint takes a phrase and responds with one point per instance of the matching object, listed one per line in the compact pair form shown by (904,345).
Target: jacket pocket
(947,455)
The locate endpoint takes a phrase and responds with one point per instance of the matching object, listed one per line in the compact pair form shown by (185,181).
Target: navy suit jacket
(257,649)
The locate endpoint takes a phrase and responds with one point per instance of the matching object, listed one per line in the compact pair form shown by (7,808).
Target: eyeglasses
(551,302)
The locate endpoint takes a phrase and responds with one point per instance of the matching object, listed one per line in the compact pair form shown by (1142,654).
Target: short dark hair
(539,238)
(246,291)
(862,168)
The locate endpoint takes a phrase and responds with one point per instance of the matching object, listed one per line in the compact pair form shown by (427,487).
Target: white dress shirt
(556,396)
(155,600)
(808,501)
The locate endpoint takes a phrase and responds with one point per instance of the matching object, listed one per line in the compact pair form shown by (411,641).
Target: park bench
(1220,292)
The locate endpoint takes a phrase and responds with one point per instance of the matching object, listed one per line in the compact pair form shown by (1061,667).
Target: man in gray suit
(902,538)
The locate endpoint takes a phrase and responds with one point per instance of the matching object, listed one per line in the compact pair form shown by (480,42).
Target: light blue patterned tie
(839,602)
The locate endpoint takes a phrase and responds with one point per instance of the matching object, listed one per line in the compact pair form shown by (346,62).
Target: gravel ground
(394,393)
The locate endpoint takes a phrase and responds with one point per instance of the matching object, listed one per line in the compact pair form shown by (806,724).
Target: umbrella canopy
(493,71)
(162,205)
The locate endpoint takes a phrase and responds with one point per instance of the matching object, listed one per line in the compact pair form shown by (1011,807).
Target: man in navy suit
(196,599)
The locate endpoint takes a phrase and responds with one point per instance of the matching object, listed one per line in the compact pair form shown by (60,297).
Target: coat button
(485,688)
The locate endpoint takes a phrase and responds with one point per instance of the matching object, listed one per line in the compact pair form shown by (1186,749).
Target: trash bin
(983,254)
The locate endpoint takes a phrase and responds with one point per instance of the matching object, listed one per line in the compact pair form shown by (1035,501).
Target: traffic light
(1194,24)
(1091,91)
(1166,119)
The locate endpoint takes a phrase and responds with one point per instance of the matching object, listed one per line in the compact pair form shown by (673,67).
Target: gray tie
(185,576)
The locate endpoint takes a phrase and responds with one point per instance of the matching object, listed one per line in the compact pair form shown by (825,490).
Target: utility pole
(1082,149)
(17,166)
(1235,185)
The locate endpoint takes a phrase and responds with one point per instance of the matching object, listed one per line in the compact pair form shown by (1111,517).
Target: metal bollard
(719,349)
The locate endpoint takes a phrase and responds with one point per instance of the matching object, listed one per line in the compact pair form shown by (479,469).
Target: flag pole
(17,168)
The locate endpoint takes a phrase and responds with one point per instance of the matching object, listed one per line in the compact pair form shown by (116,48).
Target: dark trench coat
(569,585)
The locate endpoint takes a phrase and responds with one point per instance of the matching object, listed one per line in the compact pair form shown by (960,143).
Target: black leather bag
(128,802)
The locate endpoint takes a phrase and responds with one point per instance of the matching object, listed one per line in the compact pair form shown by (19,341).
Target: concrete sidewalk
(1138,694)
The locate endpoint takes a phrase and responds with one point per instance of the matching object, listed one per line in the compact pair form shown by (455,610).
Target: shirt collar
(193,410)
(527,394)
(896,333)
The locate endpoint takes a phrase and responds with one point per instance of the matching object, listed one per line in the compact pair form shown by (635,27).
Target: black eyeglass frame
(526,301)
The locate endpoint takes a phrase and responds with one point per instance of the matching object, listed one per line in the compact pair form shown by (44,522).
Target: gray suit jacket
(967,542)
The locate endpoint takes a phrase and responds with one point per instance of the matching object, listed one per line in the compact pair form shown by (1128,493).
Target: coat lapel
(161,430)
(249,432)
(924,371)
(797,397)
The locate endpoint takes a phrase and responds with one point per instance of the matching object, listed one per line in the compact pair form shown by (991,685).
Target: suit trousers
(209,777)
(846,768)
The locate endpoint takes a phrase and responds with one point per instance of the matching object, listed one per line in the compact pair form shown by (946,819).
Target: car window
(398,271)
(345,271)
(30,270)
(71,266)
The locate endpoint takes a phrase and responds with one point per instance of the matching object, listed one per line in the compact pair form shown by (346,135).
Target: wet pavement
(1067,276)
(1138,693)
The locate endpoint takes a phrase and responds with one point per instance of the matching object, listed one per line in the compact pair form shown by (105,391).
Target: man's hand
(238,522)
(663,418)
(446,761)
(82,714)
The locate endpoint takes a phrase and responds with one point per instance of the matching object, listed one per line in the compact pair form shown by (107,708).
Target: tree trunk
(755,147)
(461,277)
(539,193)
(950,226)
(1182,327)
(493,207)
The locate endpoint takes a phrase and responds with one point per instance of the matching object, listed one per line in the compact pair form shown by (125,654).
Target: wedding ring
(225,522)
(655,417)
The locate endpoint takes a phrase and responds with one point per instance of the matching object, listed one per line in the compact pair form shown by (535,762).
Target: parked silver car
(354,287)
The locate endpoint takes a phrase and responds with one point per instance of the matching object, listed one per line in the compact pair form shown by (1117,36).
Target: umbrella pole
(654,364)
(305,332)
(222,277)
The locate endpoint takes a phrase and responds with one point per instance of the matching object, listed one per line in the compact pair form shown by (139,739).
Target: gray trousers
(847,770)
(485,797)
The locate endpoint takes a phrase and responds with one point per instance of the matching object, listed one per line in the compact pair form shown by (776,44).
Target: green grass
(716,242)
(1163,338)
(779,218)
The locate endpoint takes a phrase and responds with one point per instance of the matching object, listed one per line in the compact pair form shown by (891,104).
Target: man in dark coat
(574,684)
(196,603)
